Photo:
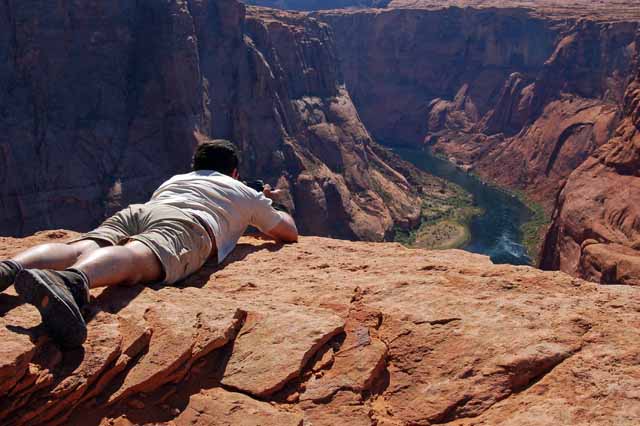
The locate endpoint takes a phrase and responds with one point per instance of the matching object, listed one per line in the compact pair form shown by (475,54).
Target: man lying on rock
(190,218)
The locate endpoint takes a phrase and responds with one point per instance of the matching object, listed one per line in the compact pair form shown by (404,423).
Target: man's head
(219,155)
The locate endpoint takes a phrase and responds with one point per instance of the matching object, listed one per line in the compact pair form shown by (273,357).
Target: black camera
(257,184)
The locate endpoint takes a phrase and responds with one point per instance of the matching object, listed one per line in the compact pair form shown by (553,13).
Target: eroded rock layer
(596,226)
(318,4)
(330,332)
(101,102)
(520,98)
(602,10)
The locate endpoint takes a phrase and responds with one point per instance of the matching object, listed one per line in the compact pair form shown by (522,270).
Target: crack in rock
(275,347)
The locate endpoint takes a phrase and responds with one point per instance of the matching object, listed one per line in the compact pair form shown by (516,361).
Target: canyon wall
(518,98)
(522,99)
(602,10)
(101,102)
(318,4)
(596,227)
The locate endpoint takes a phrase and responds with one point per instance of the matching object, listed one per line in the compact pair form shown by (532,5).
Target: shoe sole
(63,322)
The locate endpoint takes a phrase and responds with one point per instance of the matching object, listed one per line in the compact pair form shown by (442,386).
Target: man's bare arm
(285,231)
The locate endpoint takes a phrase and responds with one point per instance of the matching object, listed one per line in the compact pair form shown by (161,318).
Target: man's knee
(85,247)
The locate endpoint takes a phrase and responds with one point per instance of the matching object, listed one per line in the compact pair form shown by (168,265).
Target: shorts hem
(93,237)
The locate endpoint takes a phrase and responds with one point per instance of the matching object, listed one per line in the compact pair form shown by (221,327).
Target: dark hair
(219,155)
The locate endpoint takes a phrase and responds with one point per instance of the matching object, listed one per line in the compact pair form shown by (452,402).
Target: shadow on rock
(241,252)
(114,299)
(8,302)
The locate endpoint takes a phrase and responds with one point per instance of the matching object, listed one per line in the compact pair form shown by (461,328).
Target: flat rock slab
(217,407)
(274,346)
(346,408)
(17,348)
(185,326)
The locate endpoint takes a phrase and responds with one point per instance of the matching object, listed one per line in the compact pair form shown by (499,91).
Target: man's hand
(274,194)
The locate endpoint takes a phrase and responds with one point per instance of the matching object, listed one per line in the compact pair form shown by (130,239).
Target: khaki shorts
(179,241)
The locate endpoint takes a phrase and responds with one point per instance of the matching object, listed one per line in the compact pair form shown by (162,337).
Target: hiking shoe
(8,271)
(50,292)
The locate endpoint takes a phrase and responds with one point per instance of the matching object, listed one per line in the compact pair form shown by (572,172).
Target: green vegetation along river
(496,231)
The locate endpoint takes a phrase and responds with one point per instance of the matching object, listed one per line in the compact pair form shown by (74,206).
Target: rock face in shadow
(596,228)
(101,103)
(345,333)
(318,4)
(513,95)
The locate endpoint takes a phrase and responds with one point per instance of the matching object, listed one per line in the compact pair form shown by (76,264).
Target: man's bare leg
(60,295)
(46,256)
(130,264)
(55,256)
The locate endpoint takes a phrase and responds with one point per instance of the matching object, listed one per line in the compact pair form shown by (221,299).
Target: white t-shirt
(227,205)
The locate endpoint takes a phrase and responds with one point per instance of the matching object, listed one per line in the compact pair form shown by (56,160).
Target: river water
(496,233)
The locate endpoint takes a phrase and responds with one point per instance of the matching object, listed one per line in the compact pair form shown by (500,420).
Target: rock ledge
(331,332)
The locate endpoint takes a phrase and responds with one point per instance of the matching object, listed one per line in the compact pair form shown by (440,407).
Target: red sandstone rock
(356,365)
(274,346)
(605,10)
(181,334)
(221,408)
(318,4)
(596,229)
(429,337)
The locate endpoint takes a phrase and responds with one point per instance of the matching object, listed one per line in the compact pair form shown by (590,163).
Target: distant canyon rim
(535,96)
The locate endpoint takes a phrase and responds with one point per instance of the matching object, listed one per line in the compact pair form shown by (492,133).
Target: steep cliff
(346,333)
(282,98)
(601,10)
(101,102)
(596,227)
(516,96)
(318,4)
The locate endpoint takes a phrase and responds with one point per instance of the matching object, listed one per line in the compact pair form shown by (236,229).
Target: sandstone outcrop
(602,10)
(596,227)
(100,103)
(318,4)
(329,332)
(519,97)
